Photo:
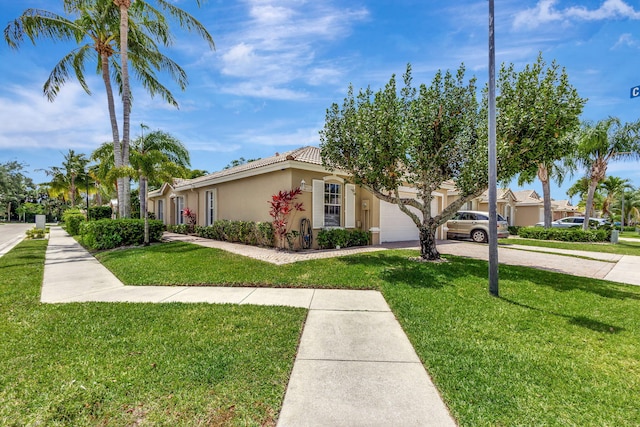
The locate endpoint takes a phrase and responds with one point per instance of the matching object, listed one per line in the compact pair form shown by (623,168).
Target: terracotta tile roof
(307,154)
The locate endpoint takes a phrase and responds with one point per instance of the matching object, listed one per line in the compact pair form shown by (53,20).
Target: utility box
(614,236)
(40,222)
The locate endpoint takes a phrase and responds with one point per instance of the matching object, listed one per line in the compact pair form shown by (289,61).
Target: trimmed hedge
(514,229)
(111,233)
(73,219)
(100,212)
(247,232)
(566,234)
(330,238)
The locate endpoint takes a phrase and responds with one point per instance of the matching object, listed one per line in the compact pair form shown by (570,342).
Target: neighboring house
(242,193)
(523,208)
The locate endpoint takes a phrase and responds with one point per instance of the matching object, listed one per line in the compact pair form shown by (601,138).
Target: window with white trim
(332,204)
(160,210)
(179,209)
(211,206)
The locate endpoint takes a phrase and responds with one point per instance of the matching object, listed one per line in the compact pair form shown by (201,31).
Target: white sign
(635,92)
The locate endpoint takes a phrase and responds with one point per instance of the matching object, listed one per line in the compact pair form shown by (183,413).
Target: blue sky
(278,65)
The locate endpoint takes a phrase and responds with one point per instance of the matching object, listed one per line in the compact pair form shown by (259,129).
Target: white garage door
(396,226)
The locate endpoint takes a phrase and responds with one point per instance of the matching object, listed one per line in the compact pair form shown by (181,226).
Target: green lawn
(121,364)
(552,350)
(630,234)
(623,247)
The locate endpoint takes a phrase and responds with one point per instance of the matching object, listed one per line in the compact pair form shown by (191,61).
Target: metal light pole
(493,216)
(86,179)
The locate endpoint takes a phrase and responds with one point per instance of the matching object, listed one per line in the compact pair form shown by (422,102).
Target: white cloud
(628,40)
(546,12)
(73,120)
(279,44)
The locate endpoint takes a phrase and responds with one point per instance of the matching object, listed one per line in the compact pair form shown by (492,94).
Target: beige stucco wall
(527,215)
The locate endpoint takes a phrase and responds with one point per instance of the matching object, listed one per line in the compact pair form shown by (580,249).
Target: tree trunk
(428,250)
(115,133)
(593,184)
(143,208)
(125,209)
(543,176)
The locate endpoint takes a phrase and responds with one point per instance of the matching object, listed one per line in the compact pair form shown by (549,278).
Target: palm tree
(95,27)
(613,187)
(65,179)
(155,158)
(140,9)
(630,207)
(600,143)
(545,173)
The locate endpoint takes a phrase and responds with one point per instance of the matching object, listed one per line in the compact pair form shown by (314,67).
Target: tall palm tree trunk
(124,5)
(115,133)
(144,211)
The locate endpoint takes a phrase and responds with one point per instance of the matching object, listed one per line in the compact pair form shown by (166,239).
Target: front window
(160,213)
(211,203)
(332,204)
(179,208)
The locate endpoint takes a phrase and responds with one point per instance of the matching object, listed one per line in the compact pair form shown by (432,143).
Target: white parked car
(575,221)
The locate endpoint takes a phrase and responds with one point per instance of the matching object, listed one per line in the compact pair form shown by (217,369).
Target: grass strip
(623,247)
(87,364)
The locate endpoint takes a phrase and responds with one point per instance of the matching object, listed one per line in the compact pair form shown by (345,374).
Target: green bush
(178,228)
(36,233)
(247,232)
(73,219)
(111,233)
(100,212)
(339,237)
(576,234)
(514,229)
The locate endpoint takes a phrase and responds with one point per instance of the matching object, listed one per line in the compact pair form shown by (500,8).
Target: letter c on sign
(635,91)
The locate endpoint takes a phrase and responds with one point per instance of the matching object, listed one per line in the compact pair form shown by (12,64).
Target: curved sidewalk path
(354,367)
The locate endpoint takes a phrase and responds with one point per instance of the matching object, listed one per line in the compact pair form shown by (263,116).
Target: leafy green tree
(422,138)
(238,162)
(14,186)
(65,178)
(539,108)
(599,143)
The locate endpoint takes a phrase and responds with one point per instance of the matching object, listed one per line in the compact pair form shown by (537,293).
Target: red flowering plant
(189,218)
(283,210)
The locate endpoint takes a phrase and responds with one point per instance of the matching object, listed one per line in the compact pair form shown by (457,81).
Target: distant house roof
(307,155)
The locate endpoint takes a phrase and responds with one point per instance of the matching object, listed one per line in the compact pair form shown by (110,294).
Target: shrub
(247,232)
(73,218)
(108,233)
(100,212)
(330,238)
(514,229)
(178,228)
(36,233)
(566,234)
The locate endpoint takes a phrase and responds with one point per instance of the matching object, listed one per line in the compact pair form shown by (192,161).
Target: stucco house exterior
(242,193)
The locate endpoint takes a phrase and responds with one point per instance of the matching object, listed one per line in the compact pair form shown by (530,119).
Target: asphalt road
(11,234)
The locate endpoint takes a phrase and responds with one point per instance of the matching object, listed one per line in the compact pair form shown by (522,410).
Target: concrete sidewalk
(355,365)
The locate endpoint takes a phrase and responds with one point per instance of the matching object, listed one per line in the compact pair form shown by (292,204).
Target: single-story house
(243,192)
